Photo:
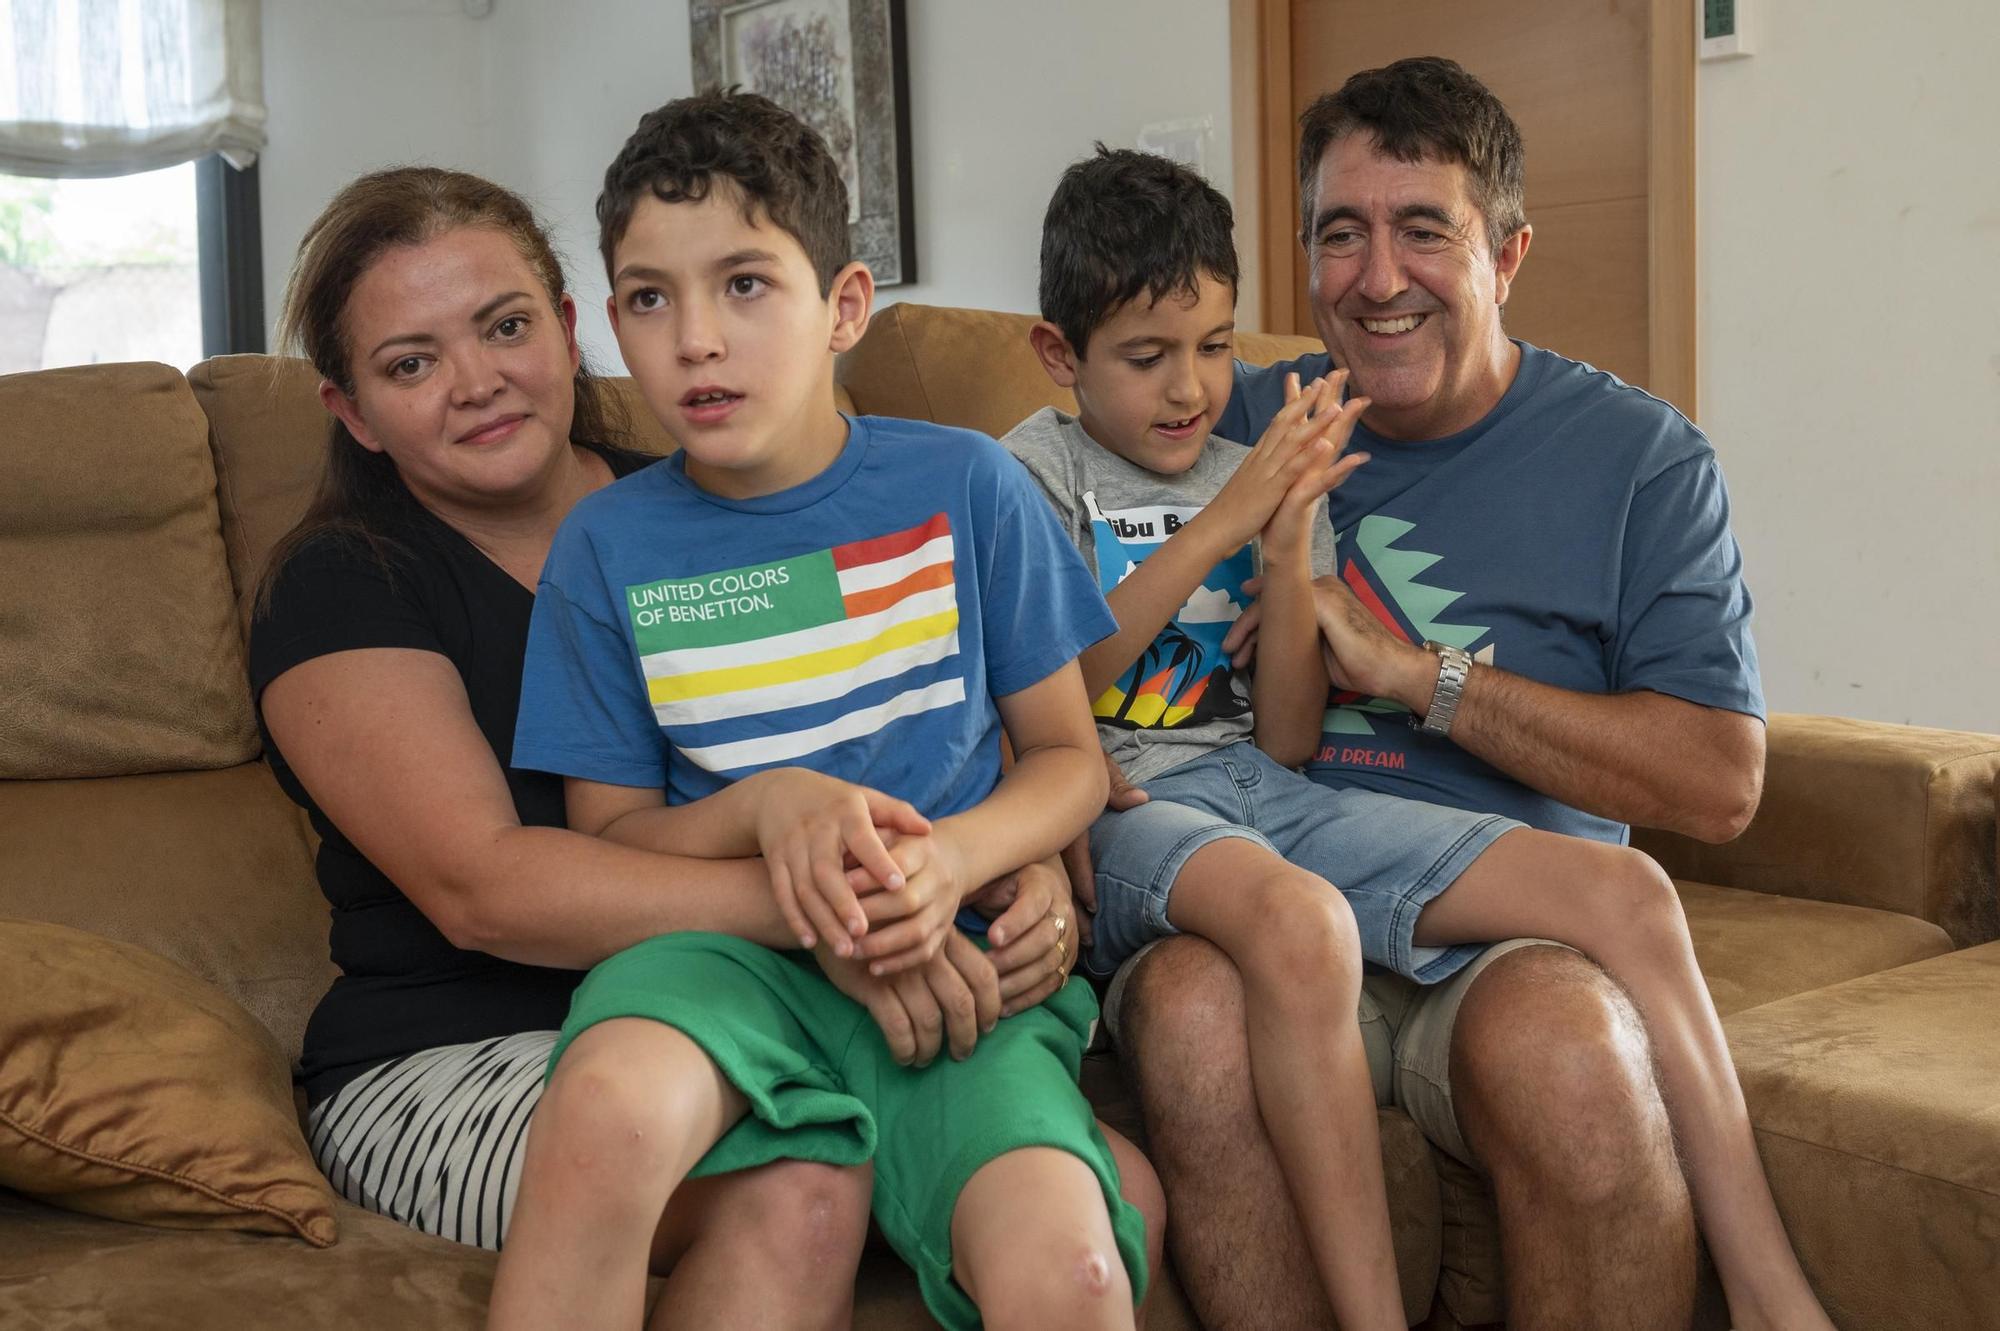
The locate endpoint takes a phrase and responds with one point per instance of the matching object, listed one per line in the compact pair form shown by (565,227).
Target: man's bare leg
(1619,908)
(1235,1239)
(1553,1084)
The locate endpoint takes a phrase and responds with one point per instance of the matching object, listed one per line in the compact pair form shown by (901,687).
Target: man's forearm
(1639,757)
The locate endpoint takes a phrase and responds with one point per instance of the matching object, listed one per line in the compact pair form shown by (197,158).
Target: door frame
(1263,140)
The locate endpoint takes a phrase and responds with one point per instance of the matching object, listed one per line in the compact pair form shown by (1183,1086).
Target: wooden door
(1603,91)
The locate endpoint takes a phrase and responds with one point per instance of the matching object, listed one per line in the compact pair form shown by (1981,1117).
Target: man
(1536,569)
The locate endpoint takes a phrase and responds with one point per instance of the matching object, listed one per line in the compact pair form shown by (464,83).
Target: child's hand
(1288,534)
(1291,446)
(807,826)
(909,925)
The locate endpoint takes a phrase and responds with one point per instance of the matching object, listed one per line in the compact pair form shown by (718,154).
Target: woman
(386,661)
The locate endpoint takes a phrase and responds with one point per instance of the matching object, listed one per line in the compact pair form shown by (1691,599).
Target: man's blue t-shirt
(860,624)
(1578,536)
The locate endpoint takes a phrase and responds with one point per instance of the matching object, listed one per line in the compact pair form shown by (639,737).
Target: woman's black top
(403,986)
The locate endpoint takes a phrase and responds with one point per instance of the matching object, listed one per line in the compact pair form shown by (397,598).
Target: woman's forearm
(548,897)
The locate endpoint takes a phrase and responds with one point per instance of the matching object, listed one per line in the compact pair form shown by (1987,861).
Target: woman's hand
(807,826)
(1036,941)
(948,1003)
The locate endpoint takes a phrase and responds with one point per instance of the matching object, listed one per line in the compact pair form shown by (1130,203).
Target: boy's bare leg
(773,1246)
(632,1107)
(1032,1245)
(1620,909)
(1140,1187)
(1292,938)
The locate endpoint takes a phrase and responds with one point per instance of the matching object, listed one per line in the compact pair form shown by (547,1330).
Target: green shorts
(823,1086)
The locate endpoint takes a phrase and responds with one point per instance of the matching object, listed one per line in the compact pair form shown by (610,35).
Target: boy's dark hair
(1425,107)
(1122,223)
(774,158)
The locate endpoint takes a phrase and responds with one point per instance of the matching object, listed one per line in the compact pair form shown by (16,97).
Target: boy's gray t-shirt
(1182,698)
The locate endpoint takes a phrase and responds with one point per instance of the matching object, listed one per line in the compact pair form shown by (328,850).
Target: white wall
(539,95)
(1003,96)
(1850,249)
(1850,350)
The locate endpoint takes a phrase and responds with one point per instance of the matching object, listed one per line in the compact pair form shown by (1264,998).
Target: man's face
(1406,290)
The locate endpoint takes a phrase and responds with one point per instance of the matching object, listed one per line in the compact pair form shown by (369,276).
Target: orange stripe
(881,598)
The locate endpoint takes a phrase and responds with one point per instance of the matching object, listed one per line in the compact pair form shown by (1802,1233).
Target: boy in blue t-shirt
(806,634)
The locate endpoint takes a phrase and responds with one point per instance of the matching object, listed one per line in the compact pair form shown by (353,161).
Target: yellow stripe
(709,683)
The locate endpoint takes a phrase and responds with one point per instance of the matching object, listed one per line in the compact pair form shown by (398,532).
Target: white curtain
(110,87)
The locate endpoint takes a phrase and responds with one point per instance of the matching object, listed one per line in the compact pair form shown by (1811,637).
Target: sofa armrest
(1868,814)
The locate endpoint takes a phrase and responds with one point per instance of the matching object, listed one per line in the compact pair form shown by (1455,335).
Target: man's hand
(808,824)
(1363,656)
(948,1003)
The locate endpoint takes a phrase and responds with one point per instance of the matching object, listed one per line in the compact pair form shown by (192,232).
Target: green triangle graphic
(1376,538)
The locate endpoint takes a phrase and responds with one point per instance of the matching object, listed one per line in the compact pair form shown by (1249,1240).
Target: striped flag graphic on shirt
(767,638)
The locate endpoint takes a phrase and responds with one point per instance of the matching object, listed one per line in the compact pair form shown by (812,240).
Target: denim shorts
(1387,855)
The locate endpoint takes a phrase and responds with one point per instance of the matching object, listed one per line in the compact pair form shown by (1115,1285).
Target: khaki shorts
(1405,1027)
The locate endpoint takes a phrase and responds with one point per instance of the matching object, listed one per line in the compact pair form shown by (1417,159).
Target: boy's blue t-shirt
(860,624)
(1578,536)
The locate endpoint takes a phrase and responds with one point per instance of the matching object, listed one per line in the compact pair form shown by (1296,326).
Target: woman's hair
(359,492)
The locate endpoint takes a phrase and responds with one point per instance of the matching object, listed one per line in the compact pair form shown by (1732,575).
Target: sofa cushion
(974,368)
(1755,947)
(132,1090)
(1896,817)
(1877,1108)
(208,869)
(117,640)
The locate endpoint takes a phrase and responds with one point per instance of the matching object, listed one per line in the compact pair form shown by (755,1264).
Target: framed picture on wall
(840,65)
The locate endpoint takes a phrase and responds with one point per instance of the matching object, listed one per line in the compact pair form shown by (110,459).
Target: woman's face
(462,371)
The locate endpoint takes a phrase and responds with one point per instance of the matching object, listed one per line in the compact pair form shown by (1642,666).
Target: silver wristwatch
(1453,666)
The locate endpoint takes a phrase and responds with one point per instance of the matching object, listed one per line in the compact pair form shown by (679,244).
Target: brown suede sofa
(1847,935)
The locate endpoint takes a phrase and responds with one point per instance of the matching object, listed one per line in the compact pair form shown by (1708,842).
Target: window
(123,233)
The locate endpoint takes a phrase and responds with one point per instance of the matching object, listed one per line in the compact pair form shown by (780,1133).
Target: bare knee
(1306,947)
(1633,913)
(808,1220)
(1069,1282)
(1182,1015)
(1553,1081)
(604,1121)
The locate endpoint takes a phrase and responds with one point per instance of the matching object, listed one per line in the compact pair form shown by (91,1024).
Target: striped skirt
(434,1139)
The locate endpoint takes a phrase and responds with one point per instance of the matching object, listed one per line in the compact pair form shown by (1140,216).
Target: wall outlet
(1719,28)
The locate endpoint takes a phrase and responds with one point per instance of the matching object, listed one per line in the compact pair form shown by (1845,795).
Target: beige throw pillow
(131,1089)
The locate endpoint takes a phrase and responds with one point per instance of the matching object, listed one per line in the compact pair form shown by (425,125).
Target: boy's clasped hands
(1301,457)
(872,887)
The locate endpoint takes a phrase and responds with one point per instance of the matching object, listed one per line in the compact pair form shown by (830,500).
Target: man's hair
(1122,223)
(777,163)
(1422,108)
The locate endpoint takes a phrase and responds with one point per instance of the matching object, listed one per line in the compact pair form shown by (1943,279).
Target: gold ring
(1062,926)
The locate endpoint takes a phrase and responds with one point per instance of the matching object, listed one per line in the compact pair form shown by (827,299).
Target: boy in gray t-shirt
(1138,295)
